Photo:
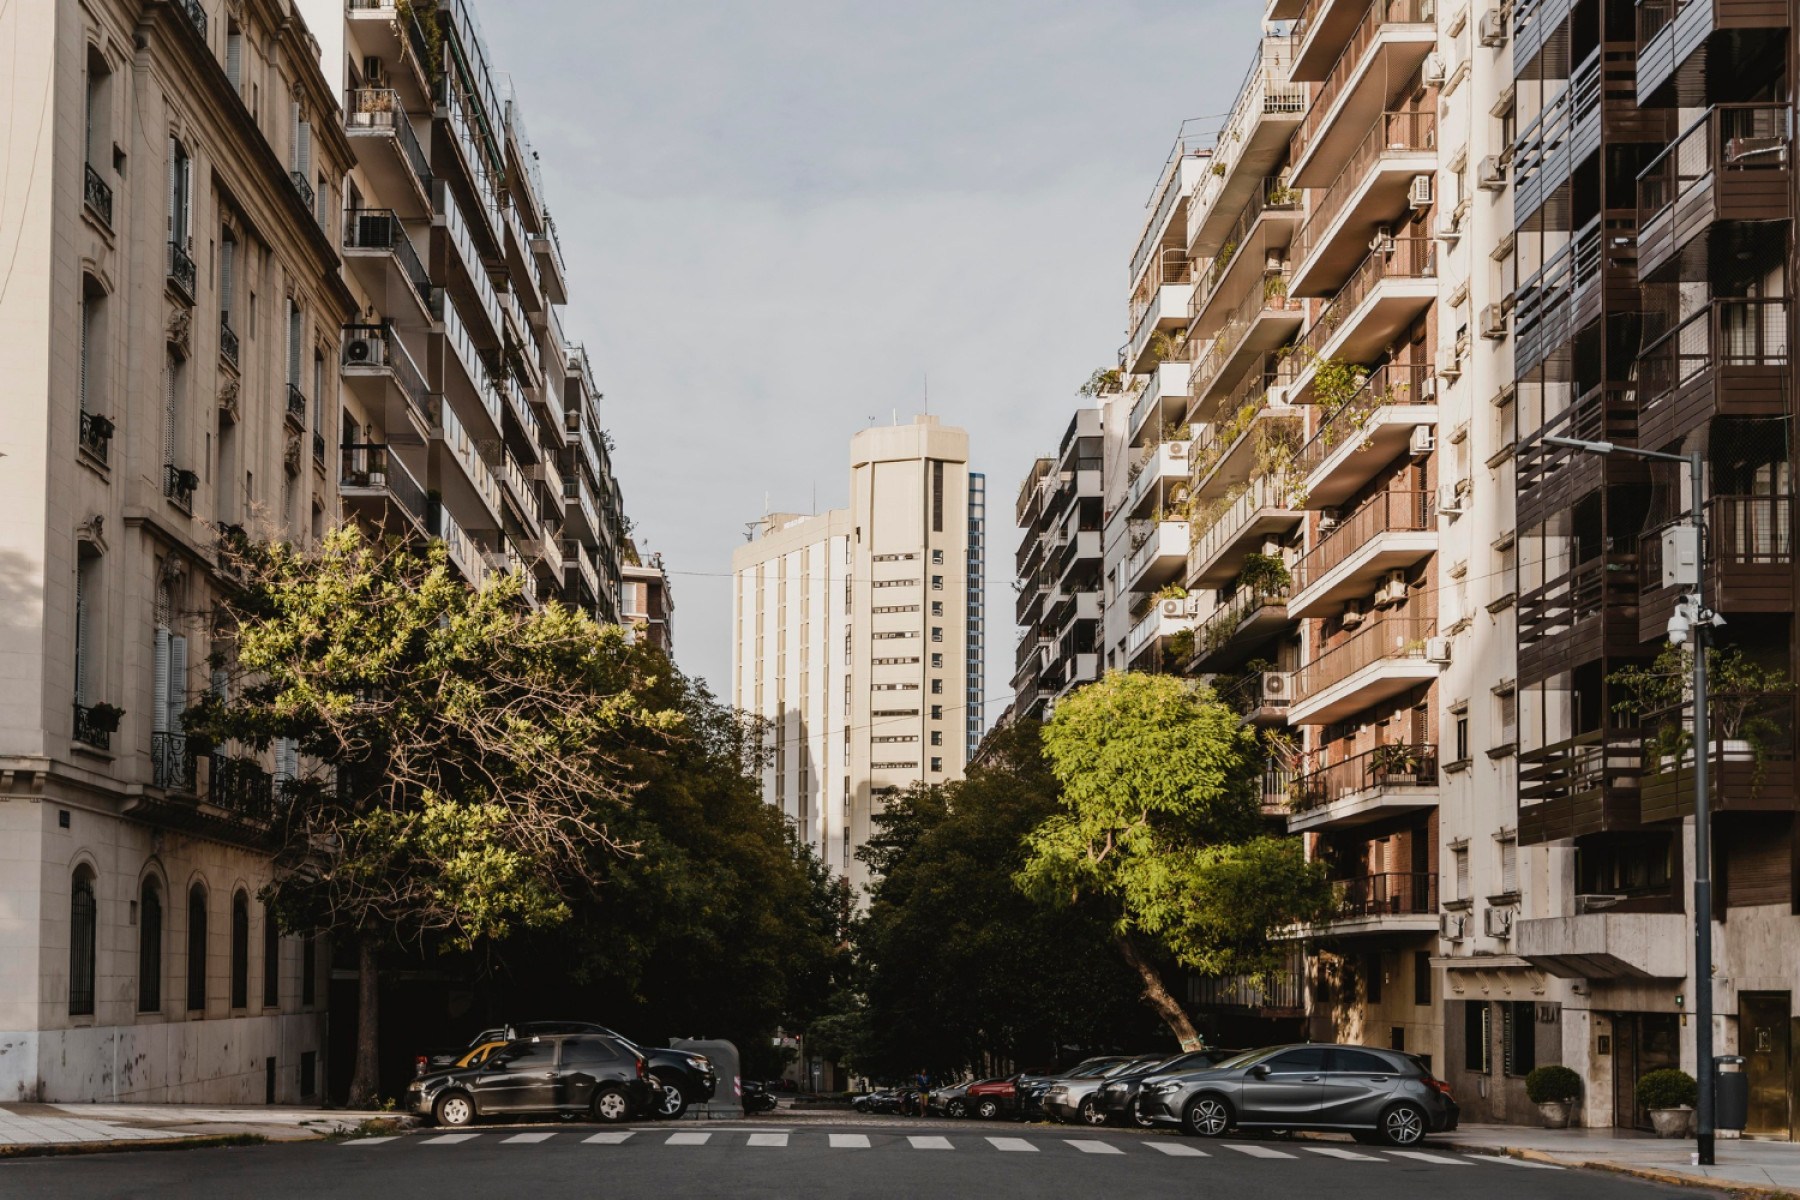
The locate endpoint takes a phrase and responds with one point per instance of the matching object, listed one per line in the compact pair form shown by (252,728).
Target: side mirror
(1260,1071)
(495,1064)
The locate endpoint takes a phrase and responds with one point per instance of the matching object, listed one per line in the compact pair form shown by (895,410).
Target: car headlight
(699,1062)
(1163,1088)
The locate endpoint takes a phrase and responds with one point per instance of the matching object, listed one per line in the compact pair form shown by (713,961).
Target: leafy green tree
(463,759)
(1160,822)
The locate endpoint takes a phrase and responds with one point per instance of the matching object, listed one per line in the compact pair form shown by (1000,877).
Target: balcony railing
(1397,765)
(1218,629)
(1384,639)
(97,194)
(85,730)
(1389,894)
(1388,512)
(96,434)
(296,406)
(1727,139)
(179,485)
(1725,333)
(304,187)
(378,346)
(1393,384)
(1392,133)
(381,229)
(380,109)
(373,465)
(241,786)
(228,341)
(1228,524)
(1267,293)
(1741,531)
(1272,196)
(181,270)
(195,13)
(1395,258)
(1378,17)
(172,762)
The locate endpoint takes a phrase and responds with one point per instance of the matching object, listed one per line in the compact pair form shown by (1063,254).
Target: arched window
(150,914)
(271,959)
(83,927)
(196,946)
(240,951)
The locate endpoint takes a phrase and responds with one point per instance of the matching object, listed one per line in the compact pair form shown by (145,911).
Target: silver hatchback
(1375,1094)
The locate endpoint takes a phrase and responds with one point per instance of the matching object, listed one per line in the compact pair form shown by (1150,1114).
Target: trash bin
(1731,1093)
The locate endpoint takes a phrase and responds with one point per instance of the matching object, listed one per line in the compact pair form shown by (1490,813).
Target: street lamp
(1691,619)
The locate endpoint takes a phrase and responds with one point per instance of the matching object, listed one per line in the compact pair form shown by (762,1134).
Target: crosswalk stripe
(1014,1144)
(1178,1149)
(1338,1152)
(374,1141)
(1093,1147)
(849,1141)
(527,1138)
(930,1143)
(1421,1156)
(451,1139)
(688,1139)
(1255,1151)
(609,1137)
(767,1139)
(1511,1161)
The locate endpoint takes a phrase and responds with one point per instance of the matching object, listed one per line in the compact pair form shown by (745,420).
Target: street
(860,1158)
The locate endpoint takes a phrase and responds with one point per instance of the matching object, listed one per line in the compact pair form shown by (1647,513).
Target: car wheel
(454,1111)
(670,1103)
(987,1110)
(1091,1113)
(1206,1116)
(611,1106)
(956,1108)
(1403,1125)
(1137,1116)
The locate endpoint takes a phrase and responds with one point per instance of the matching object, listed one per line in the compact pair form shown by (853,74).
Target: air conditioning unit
(1424,441)
(1491,174)
(365,352)
(1174,608)
(1383,241)
(1492,29)
(1593,902)
(1449,365)
(1428,388)
(1353,614)
(1437,650)
(1452,926)
(1329,520)
(1435,70)
(1449,502)
(1178,449)
(1392,590)
(1497,922)
(1277,687)
(1419,195)
(1493,321)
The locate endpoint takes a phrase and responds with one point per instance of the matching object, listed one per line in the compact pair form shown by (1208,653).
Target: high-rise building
(853,633)
(645,598)
(1058,565)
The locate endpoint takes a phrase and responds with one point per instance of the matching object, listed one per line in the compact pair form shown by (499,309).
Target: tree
(461,758)
(1160,821)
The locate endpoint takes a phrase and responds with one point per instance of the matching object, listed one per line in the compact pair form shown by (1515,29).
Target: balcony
(387,149)
(96,436)
(389,30)
(465,553)
(172,763)
(1149,634)
(228,343)
(1750,757)
(1165,466)
(1580,785)
(1731,165)
(97,194)
(1381,55)
(517,487)
(376,486)
(1585,613)
(1157,555)
(1601,94)
(580,517)
(381,256)
(462,475)
(195,12)
(179,486)
(1391,531)
(1595,271)
(1266,317)
(90,730)
(1160,306)
(1688,42)
(1729,358)
(1389,904)
(1261,233)
(181,271)
(1257,514)
(1382,659)
(295,412)
(1749,567)
(1607,945)
(1369,191)
(1366,433)
(1384,782)
(1162,402)
(1226,455)
(1238,628)
(1167,226)
(1392,288)
(546,252)
(579,565)
(379,371)
(1250,145)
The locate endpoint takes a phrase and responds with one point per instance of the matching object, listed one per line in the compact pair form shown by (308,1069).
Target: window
(937,737)
(301,163)
(196,949)
(1460,857)
(937,497)
(1506,714)
(1360,1062)
(171,430)
(234,56)
(84,915)
(318,382)
(588,1050)
(293,344)
(150,947)
(1518,1037)
(524,1056)
(1477,1033)
(97,109)
(309,1073)
(1509,864)
(181,195)
(227,275)
(937,764)
(937,608)
(1303,1060)
(937,633)
(87,592)
(937,558)
(309,970)
(937,660)
(93,303)
(937,712)
(937,583)
(1373,973)
(937,687)
(240,951)
(1462,738)
(271,959)
(1422,978)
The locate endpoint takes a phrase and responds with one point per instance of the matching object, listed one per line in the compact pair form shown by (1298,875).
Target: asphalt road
(865,1160)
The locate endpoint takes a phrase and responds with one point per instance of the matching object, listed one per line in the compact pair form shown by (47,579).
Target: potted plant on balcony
(1265,574)
(1669,1094)
(1739,700)
(104,718)
(1555,1090)
(1396,762)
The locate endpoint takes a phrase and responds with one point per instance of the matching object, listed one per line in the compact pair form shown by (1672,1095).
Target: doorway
(1642,1042)
(1765,1040)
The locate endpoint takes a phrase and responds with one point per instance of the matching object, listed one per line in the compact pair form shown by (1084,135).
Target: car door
(1356,1087)
(586,1062)
(1283,1088)
(520,1078)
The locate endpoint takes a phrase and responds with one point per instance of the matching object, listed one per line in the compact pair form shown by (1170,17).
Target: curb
(198,1142)
(1661,1175)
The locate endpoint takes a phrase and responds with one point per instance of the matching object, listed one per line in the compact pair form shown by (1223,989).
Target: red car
(993,1097)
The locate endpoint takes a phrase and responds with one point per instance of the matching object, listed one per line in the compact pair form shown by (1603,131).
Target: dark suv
(678,1077)
(587,1073)
(1377,1095)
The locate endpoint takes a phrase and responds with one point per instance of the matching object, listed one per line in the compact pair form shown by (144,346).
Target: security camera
(1679,628)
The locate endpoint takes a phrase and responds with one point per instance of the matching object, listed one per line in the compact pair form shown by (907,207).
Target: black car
(1031,1088)
(587,1073)
(1117,1098)
(679,1077)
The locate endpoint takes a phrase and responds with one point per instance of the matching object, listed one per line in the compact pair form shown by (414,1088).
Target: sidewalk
(27,1128)
(1771,1167)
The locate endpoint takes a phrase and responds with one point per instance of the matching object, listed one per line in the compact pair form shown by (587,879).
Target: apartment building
(852,636)
(1058,569)
(646,599)
(171,329)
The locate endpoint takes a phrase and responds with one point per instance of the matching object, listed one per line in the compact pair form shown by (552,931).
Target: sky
(781,219)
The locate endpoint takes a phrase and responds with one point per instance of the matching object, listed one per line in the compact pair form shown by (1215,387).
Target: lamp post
(1692,619)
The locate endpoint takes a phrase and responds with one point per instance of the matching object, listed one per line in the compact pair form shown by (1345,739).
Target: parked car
(1033,1087)
(1118,1093)
(953,1100)
(883,1100)
(1377,1095)
(992,1098)
(680,1078)
(588,1073)
(1072,1100)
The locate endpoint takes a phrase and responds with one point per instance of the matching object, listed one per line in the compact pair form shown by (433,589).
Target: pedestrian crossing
(785,1139)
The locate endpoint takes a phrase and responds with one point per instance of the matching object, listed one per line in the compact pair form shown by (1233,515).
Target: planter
(1672,1122)
(1555,1113)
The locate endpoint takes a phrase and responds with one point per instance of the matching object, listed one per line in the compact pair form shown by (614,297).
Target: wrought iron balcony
(87,729)
(97,194)
(181,271)
(228,341)
(179,485)
(96,434)
(296,406)
(172,762)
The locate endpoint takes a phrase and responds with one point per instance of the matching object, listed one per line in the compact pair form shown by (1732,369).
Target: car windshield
(1089,1070)
(1251,1056)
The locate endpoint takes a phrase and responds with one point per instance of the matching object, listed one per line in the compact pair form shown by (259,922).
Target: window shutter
(221,685)
(159,712)
(1509,866)
(293,342)
(169,409)
(177,681)
(234,59)
(87,303)
(174,183)
(227,266)
(82,647)
(303,150)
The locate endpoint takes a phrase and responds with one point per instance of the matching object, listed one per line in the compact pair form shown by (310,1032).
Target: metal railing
(1387,512)
(1394,258)
(305,188)
(241,786)
(1395,765)
(1390,385)
(296,406)
(1263,492)
(1727,138)
(179,485)
(1391,133)
(97,194)
(373,465)
(1272,196)
(96,434)
(1378,17)
(172,762)
(1741,531)
(1267,293)
(86,733)
(380,110)
(181,270)
(381,229)
(378,346)
(195,13)
(1386,638)
(1218,629)
(1725,333)
(1388,894)
(228,341)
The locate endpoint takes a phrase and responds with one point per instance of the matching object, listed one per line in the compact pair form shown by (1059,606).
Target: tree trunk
(1158,996)
(365,1081)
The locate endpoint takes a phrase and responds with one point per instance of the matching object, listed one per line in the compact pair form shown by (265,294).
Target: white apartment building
(852,636)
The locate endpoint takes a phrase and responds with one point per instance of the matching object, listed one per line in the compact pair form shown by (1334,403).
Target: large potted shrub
(1741,696)
(1669,1094)
(1555,1090)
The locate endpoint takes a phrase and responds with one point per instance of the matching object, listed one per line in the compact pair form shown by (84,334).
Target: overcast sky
(780,218)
